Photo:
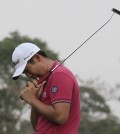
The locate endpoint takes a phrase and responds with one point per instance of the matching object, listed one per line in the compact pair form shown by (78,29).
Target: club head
(116,11)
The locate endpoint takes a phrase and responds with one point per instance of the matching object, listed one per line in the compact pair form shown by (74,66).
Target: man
(56,101)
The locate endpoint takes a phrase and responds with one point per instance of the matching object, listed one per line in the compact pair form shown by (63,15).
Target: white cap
(21,55)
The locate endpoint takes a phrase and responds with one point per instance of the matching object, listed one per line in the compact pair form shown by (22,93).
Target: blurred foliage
(96,116)
(93,102)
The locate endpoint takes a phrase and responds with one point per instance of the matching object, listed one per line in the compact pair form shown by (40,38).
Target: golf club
(48,74)
(116,11)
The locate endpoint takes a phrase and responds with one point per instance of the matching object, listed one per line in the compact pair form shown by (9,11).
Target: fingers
(32,88)
(28,94)
(43,84)
(41,88)
(32,84)
(29,84)
(35,83)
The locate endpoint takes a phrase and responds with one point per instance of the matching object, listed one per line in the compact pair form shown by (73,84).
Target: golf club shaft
(49,73)
(87,39)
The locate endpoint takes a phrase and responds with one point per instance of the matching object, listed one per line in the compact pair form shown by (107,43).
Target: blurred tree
(96,116)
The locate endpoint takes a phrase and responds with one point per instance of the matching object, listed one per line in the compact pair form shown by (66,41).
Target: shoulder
(62,72)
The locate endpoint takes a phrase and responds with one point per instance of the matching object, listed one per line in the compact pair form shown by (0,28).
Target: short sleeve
(61,88)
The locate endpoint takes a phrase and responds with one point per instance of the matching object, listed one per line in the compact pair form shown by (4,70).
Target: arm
(37,92)
(34,117)
(58,112)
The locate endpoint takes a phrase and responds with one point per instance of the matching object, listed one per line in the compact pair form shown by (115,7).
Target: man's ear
(37,57)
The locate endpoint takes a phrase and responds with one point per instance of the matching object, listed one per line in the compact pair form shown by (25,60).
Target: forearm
(49,112)
(34,117)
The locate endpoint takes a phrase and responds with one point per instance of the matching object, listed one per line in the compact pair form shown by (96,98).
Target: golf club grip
(21,97)
(116,11)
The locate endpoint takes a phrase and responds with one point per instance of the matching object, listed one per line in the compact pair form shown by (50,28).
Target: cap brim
(18,72)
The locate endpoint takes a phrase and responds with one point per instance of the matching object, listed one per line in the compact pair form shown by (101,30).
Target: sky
(66,24)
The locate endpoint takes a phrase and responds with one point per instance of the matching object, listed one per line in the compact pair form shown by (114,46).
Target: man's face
(36,68)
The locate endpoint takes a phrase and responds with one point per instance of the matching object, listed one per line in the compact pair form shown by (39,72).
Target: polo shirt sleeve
(61,88)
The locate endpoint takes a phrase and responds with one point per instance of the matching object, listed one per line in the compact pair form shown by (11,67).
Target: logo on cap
(29,55)
(16,62)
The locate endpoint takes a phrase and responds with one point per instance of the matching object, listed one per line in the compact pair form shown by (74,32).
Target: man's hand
(32,91)
(40,89)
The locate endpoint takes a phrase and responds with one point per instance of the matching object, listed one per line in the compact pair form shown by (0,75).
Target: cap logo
(29,55)
(16,62)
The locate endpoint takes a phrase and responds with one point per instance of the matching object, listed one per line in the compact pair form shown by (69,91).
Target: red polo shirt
(61,87)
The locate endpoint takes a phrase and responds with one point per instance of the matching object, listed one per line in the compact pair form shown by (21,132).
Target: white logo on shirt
(54,89)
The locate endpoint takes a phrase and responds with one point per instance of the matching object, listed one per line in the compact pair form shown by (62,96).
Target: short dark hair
(41,52)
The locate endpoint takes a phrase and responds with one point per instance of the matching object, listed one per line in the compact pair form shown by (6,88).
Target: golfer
(55,103)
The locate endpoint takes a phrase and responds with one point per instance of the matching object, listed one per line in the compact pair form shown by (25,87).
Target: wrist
(33,102)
